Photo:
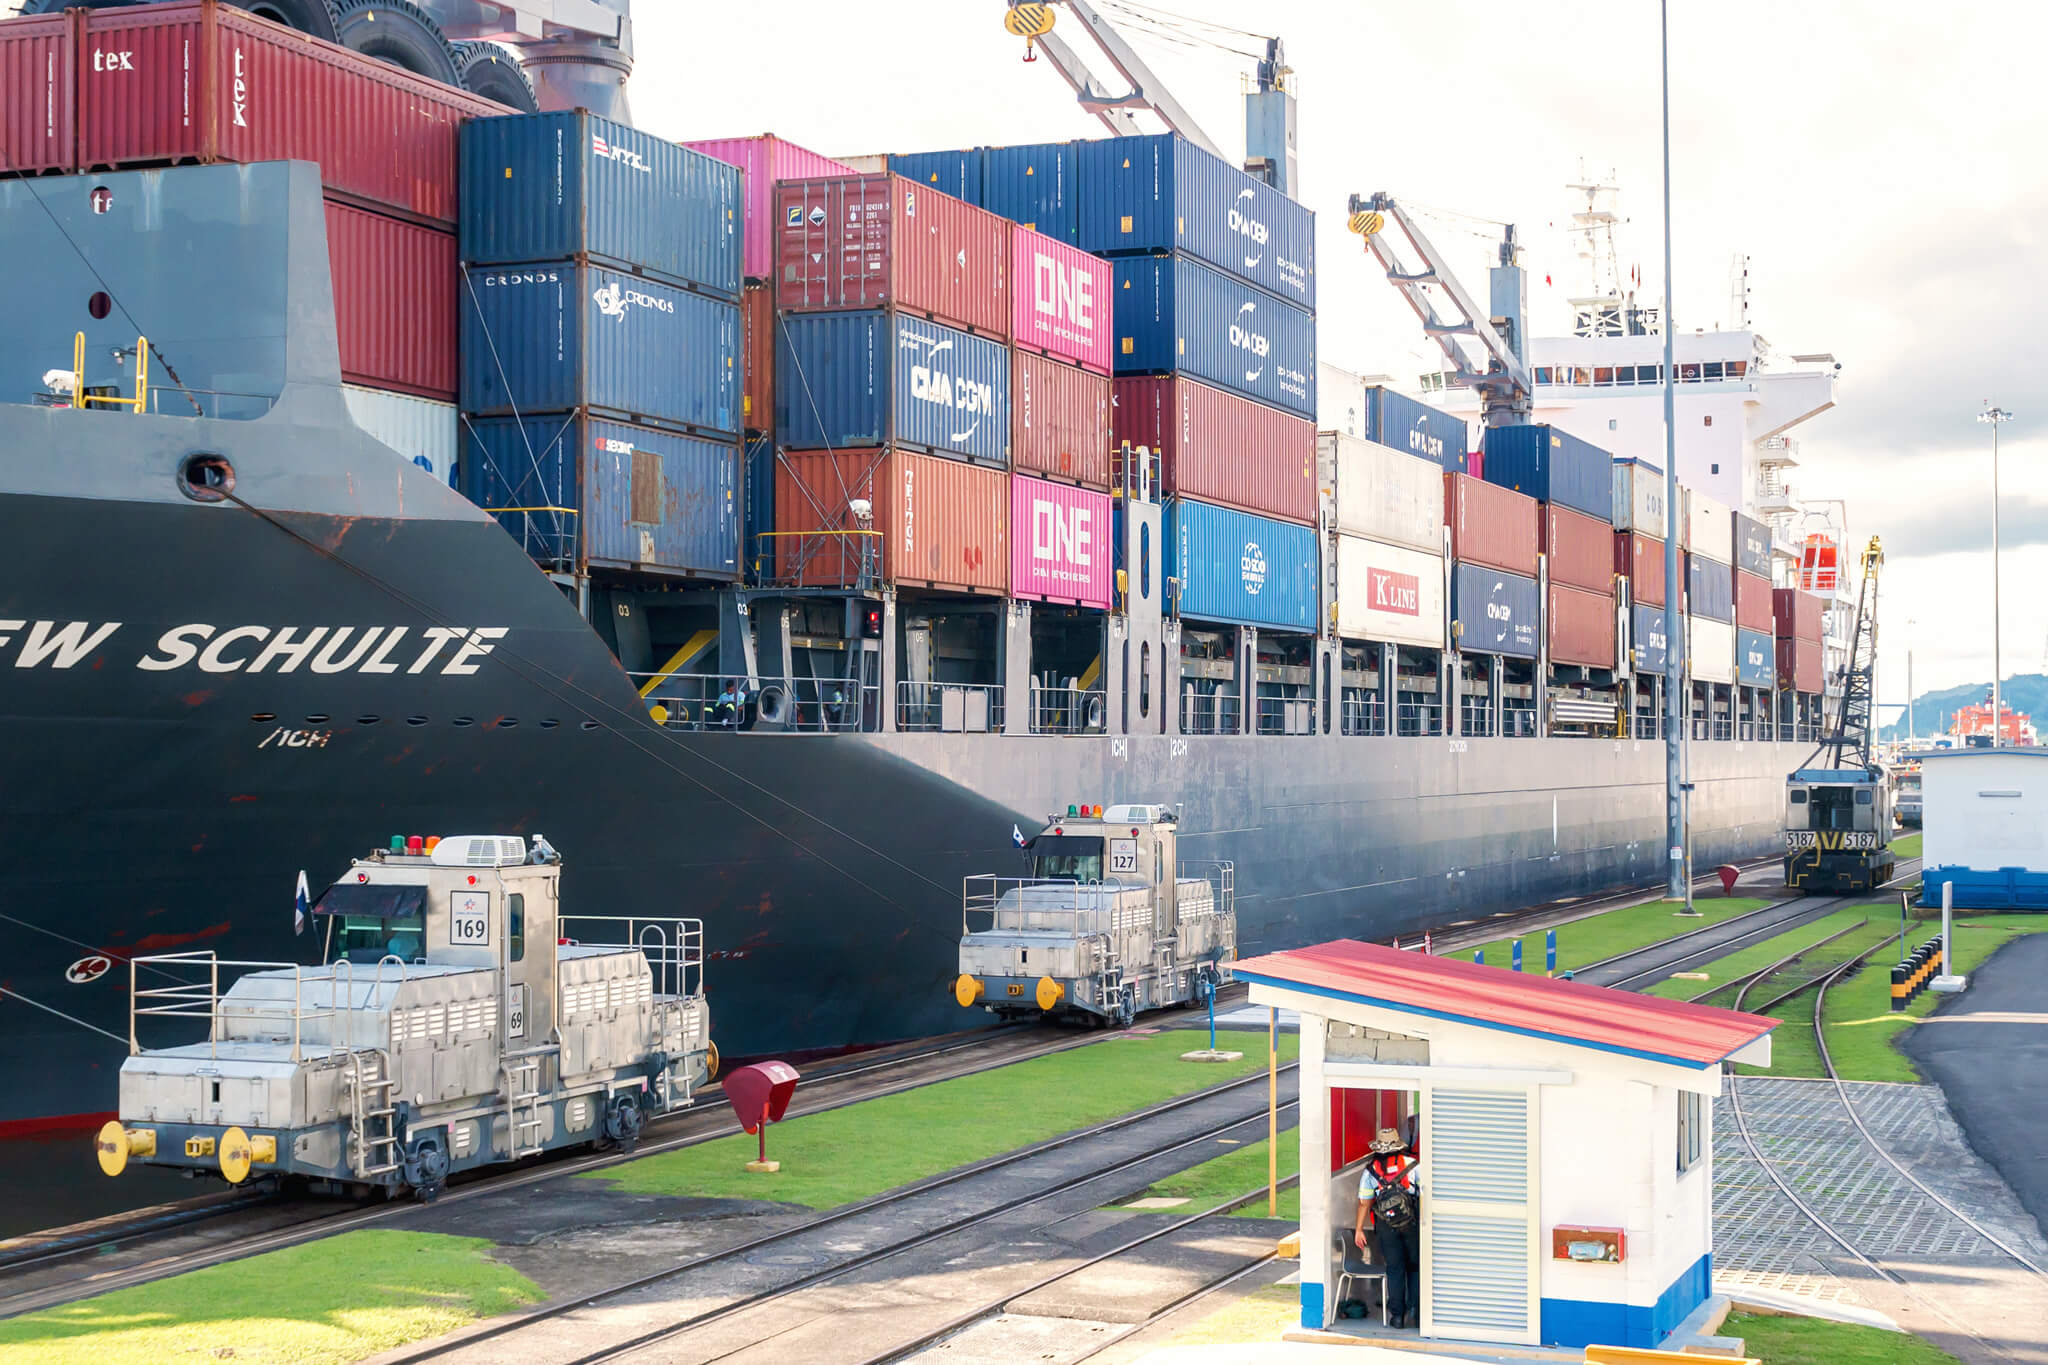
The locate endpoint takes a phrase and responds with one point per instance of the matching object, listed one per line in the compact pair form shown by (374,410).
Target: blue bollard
(1479,957)
(1517,954)
(1550,951)
(1210,990)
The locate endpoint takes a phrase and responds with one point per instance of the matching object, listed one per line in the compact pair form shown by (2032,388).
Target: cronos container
(1648,643)
(1710,526)
(1062,300)
(1141,195)
(873,241)
(1756,658)
(1579,548)
(1217,447)
(1753,607)
(938,523)
(757,322)
(762,161)
(1709,588)
(420,430)
(1580,627)
(1175,314)
(394,302)
(888,378)
(1059,420)
(1237,568)
(955,173)
(1494,612)
(1490,525)
(1711,651)
(1061,544)
(553,338)
(1640,559)
(1038,185)
(1551,465)
(1799,665)
(205,82)
(38,99)
(1381,493)
(1797,614)
(1394,419)
(1390,593)
(1639,499)
(1752,546)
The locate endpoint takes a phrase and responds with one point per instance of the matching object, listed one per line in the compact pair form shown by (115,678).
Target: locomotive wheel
(397,32)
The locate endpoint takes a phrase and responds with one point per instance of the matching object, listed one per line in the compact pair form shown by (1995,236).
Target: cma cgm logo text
(1062,535)
(1248,227)
(932,382)
(1063,294)
(600,148)
(613,301)
(1244,338)
(1251,568)
(1498,610)
(1396,592)
(1428,446)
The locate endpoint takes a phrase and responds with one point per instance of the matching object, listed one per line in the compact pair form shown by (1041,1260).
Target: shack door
(1478,1205)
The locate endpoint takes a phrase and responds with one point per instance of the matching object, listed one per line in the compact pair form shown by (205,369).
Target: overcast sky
(1879,170)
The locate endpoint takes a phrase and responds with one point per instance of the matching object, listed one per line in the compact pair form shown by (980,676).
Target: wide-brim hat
(1388,1140)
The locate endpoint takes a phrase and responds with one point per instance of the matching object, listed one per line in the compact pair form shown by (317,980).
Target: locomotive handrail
(673,946)
(199,997)
(983,893)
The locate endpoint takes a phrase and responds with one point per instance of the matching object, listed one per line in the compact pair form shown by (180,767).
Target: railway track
(1470,933)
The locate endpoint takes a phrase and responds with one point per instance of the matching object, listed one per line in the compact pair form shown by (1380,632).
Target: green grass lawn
(339,1299)
(1816,1341)
(1614,932)
(1758,956)
(861,1150)
(1907,845)
(1225,1176)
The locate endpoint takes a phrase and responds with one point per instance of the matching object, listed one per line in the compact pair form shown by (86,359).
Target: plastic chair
(1356,1267)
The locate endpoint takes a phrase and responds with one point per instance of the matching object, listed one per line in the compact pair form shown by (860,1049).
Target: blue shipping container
(547,187)
(1752,546)
(1037,185)
(638,498)
(1709,589)
(554,338)
(758,517)
(1143,195)
(1173,313)
(1551,465)
(1494,612)
(1239,568)
(1648,639)
(1756,659)
(1396,420)
(884,378)
(955,173)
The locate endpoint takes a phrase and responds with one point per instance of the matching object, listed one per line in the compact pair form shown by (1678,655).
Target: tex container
(955,173)
(1037,185)
(422,431)
(1059,420)
(876,241)
(1062,299)
(1756,658)
(1381,493)
(554,338)
(762,161)
(1797,614)
(884,378)
(1752,546)
(1217,447)
(1175,315)
(757,325)
(1551,465)
(1394,419)
(1061,543)
(1710,652)
(938,523)
(1143,195)
(1241,569)
(1799,665)
(1494,612)
(1753,607)
(206,82)
(1490,525)
(547,187)
(1648,642)
(1389,593)
(1639,499)
(1709,526)
(1709,588)
(38,93)
(394,302)
(1578,548)
(1640,559)
(642,500)
(1579,627)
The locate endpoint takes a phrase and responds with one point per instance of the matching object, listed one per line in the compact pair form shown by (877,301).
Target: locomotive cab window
(368,939)
(1066,857)
(515,927)
(367,922)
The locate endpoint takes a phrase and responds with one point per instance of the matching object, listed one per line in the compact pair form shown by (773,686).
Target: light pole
(1912,736)
(1997,417)
(1677,695)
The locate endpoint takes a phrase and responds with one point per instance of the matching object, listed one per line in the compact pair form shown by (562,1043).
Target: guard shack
(1565,1134)
(1985,828)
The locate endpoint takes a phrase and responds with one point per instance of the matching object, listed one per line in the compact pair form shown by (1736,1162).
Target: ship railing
(1475,716)
(1209,713)
(549,535)
(952,708)
(1063,904)
(673,946)
(813,706)
(1362,713)
(1068,710)
(1134,473)
(1287,716)
(1518,717)
(1413,718)
(815,559)
(177,400)
(192,991)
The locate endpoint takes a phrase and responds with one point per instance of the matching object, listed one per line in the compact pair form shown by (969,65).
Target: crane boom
(1848,743)
(1119,113)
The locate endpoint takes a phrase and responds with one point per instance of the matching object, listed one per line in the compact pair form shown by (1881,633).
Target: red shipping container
(1580,548)
(757,319)
(1799,665)
(763,160)
(395,314)
(1218,447)
(1059,420)
(1753,606)
(1580,626)
(939,523)
(38,93)
(204,82)
(875,241)
(1797,614)
(1640,559)
(1490,525)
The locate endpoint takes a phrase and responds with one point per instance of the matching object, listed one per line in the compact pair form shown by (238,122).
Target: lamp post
(1677,695)
(1996,417)
(1912,735)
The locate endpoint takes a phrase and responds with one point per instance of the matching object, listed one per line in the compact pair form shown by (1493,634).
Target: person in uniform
(1389,1203)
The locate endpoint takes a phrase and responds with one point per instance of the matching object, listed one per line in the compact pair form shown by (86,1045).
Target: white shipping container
(1639,499)
(1710,527)
(1710,650)
(1383,494)
(419,429)
(1391,593)
(1340,401)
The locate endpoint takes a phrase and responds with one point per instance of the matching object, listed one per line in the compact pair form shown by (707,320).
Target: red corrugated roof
(1522,1002)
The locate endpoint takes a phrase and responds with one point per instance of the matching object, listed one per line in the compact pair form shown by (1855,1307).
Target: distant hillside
(1932,711)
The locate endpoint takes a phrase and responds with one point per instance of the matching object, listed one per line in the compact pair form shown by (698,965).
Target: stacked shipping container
(1755,648)
(1710,588)
(1388,511)
(1494,540)
(1797,617)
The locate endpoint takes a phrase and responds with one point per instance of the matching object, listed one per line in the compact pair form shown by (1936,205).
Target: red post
(764,1130)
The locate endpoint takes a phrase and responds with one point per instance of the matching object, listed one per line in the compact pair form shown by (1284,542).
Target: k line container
(1396,420)
(1797,614)
(873,241)
(1389,593)
(1241,569)
(1174,314)
(955,173)
(1581,627)
(1061,543)
(1381,493)
(885,378)
(554,338)
(1756,658)
(1059,420)
(1142,195)
(1639,499)
(1551,465)
(395,305)
(1711,651)
(1038,185)
(1062,300)
(938,523)
(1217,447)
(1710,527)
(205,82)
(1640,559)
(1753,607)
(762,161)
(1709,588)
(1490,525)
(1580,548)
(1494,612)
(420,430)
(1648,642)
(38,94)
(1799,665)
(757,322)
(1752,546)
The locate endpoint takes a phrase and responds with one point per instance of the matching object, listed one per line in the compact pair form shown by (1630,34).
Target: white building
(1984,821)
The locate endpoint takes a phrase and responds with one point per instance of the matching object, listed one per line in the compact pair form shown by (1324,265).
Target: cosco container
(1059,420)
(1061,543)
(1241,569)
(1381,493)
(1639,499)
(1217,447)
(757,324)
(633,497)
(1756,658)
(1648,642)
(1710,526)
(884,378)
(421,430)
(1062,300)
(1396,420)
(552,338)
(955,173)
(873,241)
(757,514)
(206,82)
(1799,665)
(1578,548)
(1038,185)
(394,301)
(1710,651)
(1172,313)
(1797,614)
(1752,546)
(1753,607)
(1580,627)
(1551,465)
(1493,612)
(1640,559)
(1390,593)
(1490,525)
(937,523)
(1709,588)
(762,161)
(38,93)
(1143,195)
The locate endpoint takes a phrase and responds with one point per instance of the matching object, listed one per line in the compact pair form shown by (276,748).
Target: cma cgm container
(1390,593)
(1710,653)
(1580,627)
(394,301)
(1038,185)
(955,173)
(1579,548)
(1061,543)
(1710,526)
(1217,447)
(553,338)
(1059,420)
(1144,195)
(1756,658)
(1493,612)
(1640,559)
(1752,546)
(1753,610)
(1490,525)
(884,378)
(762,161)
(1175,314)
(420,430)
(1709,588)
(1551,465)
(1799,665)
(205,82)
(1639,499)
(644,500)
(1062,300)
(1648,641)
(938,523)
(874,241)
(1241,569)
(1797,614)
(1381,493)
(1396,420)
(757,325)
(38,100)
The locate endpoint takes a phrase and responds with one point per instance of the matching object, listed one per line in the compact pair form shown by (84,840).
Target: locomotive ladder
(522,1101)
(372,1146)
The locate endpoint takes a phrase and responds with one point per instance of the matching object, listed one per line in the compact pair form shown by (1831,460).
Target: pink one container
(763,160)
(1061,300)
(1059,542)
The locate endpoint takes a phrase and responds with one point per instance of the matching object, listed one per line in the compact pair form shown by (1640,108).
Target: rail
(194,993)
(1413,718)
(1069,710)
(813,559)
(1067,904)
(549,535)
(1221,874)
(674,947)
(84,397)
(1286,716)
(1209,713)
(1475,716)
(951,708)
(1362,714)
(1518,717)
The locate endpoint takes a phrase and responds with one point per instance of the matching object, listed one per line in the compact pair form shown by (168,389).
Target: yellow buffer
(1050,993)
(116,1144)
(967,990)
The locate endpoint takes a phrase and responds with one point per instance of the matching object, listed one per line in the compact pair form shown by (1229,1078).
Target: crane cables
(1164,26)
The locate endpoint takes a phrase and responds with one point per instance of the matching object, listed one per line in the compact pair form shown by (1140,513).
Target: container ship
(780,536)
